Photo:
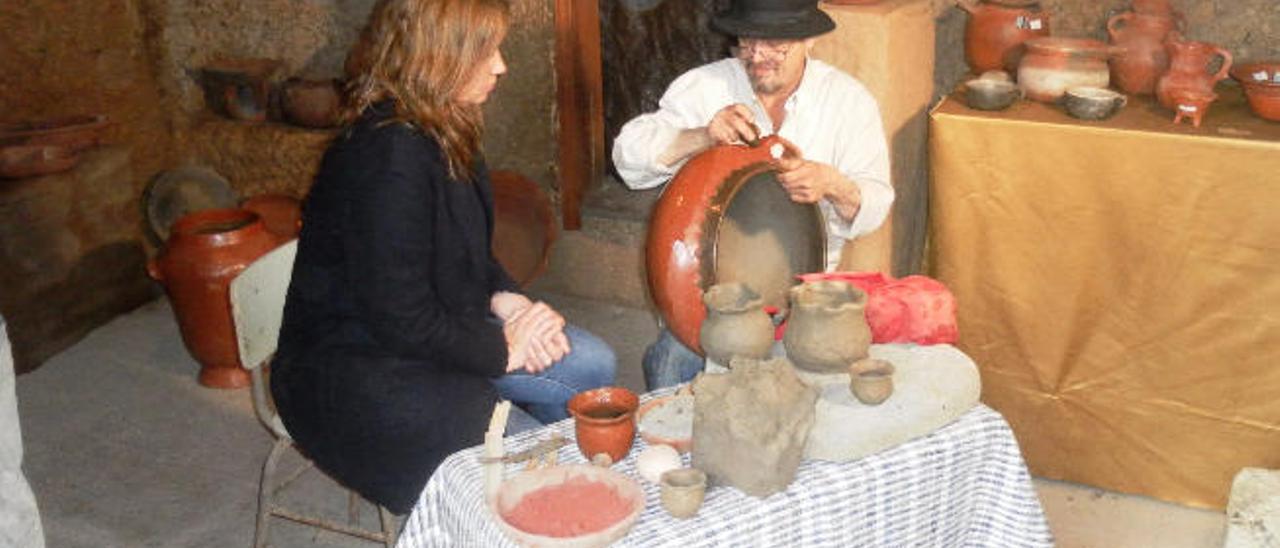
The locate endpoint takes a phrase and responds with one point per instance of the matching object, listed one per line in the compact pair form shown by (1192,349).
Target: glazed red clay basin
(605,421)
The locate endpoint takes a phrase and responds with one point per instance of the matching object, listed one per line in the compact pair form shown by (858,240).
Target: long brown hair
(419,54)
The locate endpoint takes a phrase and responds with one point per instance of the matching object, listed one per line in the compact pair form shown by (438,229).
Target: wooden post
(579,104)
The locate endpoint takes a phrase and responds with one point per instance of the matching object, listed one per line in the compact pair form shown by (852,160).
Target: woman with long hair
(401,330)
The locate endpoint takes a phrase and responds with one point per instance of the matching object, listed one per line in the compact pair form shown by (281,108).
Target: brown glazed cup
(871,380)
(682,491)
(605,421)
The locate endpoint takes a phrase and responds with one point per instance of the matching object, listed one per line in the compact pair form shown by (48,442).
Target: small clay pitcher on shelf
(1053,65)
(205,251)
(736,324)
(1190,68)
(1192,104)
(1142,56)
(604,421)
(827,326)
(996,30)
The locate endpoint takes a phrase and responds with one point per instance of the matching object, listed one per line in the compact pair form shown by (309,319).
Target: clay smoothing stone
(933,385)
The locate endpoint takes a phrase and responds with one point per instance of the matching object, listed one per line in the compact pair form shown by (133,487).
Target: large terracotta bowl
(513,490)
(724,218)
(524,227)
(1261,81)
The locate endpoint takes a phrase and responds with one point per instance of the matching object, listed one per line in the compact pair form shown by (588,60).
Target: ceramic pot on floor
(205,251)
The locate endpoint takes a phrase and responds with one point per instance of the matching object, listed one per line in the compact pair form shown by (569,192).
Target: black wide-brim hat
(773,19)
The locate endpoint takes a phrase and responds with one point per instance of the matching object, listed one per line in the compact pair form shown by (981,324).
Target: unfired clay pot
(724,218)
(996,30)
(871,380)
(205,251)
(1190,65)
(604,421)
(682,491)
(736,324)
(1053,65)
(827,326)
(1141,57)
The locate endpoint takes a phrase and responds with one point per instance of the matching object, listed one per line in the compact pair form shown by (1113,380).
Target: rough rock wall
(311,39)
(72,245)
(1246,28)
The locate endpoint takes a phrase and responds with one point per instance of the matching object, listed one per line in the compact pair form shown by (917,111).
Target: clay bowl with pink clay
(571,506)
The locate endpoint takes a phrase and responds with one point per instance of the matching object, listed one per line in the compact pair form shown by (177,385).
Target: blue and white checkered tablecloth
(964,485)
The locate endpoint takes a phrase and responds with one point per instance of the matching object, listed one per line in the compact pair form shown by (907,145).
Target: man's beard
(759,84)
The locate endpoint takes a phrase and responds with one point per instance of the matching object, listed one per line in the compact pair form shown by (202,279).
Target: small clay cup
(604,421)
(990,94)
(682,491)
(1090,103)
(871,380)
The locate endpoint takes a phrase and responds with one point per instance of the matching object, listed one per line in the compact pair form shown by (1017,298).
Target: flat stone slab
(933,385)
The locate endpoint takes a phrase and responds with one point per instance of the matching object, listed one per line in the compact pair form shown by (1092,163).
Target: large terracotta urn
(1141,55)
(1190,69)
(205,251)
(1053,65)
(724,218)
(996,30)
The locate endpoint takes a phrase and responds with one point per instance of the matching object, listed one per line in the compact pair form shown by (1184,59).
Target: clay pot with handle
(205,251)
(1190,65)
(1142,56)
(996,30)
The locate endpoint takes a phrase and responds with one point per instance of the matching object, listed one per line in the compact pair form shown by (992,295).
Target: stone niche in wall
(311,40)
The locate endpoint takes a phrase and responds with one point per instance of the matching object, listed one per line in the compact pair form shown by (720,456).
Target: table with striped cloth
(963,485)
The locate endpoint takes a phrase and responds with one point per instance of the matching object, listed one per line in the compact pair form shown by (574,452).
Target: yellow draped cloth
(1119,286)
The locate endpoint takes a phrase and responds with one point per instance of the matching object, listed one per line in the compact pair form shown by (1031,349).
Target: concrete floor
(124,449)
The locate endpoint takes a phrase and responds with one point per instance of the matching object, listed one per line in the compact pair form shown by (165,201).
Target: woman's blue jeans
(589,364)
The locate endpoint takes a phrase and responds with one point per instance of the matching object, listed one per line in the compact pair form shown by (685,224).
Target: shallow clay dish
(18,161)
(184,190)
(682,443)
(513,490)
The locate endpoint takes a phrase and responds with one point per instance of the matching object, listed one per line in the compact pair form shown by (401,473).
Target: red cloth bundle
(914,309)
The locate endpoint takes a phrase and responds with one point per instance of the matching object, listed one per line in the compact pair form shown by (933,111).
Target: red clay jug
(281,213)
(1141,56)
(996,29)
(205,251)
(1189,68)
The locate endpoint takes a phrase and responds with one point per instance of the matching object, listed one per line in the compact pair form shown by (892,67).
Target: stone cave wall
(311,39)
(73,246)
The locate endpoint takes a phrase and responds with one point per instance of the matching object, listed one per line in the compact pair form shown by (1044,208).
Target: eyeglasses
(774,50)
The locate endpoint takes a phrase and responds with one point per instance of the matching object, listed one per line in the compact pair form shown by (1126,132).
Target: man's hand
(733,125)
(807,181)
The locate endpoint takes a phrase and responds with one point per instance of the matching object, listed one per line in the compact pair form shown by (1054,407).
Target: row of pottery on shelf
(248,89)
(204,252)
(30,149)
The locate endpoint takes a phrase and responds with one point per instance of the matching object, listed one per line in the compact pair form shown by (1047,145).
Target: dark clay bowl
(990,94)
(1090,103)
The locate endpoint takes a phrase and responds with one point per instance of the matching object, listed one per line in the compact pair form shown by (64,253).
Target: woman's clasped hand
(533,330)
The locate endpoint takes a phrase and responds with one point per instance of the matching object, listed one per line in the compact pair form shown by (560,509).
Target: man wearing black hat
(770,86)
